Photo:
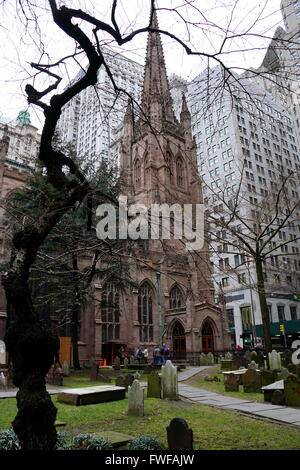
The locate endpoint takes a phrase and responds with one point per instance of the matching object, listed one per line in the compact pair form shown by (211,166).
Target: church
(173,302)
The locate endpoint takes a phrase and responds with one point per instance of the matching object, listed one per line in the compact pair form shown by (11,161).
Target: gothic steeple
(156,87)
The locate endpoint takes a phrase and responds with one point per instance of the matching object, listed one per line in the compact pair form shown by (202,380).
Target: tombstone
(94,372)
(226,364)
(286,358)
(153,385)
(136,399)
(267,377)
(253,365)
(149,368)
(121,381)
(210,359)
(228,356)
(180,436)
(283,374)
(132,360)
(292,390)
(2,353)
(203,359)
(253,356)
(274,360)
(232,383)
(3,381)
(248,355)
(66,369)
(169,383)
(240,363)
(137,376)
(126,362)
(278,397)
(251,381)
(104,378)
(198,361)
(117,365)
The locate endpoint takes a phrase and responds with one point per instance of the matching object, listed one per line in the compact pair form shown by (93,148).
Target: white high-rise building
(246,142)
(89,119)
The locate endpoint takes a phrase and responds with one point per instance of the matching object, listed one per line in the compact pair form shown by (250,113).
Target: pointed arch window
(170,170)
(145,312)
(110,312)
(176,298)
(179,172)
(137,174)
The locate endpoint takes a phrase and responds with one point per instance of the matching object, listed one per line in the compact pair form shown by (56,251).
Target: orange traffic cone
(104,362)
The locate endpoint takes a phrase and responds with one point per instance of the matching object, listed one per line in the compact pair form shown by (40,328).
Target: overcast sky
(204,32)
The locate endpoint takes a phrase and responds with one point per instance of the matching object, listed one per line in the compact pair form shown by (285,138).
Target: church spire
(156,86)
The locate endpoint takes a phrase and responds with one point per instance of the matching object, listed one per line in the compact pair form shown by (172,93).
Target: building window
(246,318)
(179,172)
(293,310)
(145,312)
(110,312)
(280,310)
(176,298)
(225,281)
(230,318)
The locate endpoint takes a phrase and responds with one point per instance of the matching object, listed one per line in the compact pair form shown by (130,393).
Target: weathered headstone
(169,382)
(283,374)
(239,362)
(210,359)
(117,365)
(180,436)
(267,377)
(232,383)
(253,365)
(154,385)
(65,369)
(251,381)
(2,353)
(104,378)
(248,355)
(137,375)
(228,356)
(136,399)
(278,397)
(226,364)
(253,356)
(124,380)
(3,381)
(274,360)
(94,372)
(126,362)
(203,359)
(292,390)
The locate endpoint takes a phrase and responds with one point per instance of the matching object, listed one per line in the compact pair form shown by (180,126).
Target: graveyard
(149,399)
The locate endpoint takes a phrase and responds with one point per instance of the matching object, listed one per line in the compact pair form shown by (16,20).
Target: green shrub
(9,440)
(145,443)
(90,442)
(62,442)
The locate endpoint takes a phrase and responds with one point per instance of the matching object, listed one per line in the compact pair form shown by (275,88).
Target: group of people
(160,355)
(141,355)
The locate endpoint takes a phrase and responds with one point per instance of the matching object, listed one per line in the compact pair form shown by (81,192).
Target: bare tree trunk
(31,348)
(75,313)
(263,303)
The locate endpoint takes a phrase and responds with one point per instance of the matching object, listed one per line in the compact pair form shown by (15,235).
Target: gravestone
(239,362)
(153,385)
(210,359)
(198,361)
(286,358)
(248,355)
(228,356)
(278,397)
(283,374)
(226,364)
(94,372)
(292,390)
(136,399)
(117,365)
(2,353)
(133,360)
(251,381)
(232,383)
(65,369)
(267,377)
(169,383)
(253,365)
(3,381)
(104,378)
(180,436)
(274,360)
(137,376)
(126,362)
(203,359)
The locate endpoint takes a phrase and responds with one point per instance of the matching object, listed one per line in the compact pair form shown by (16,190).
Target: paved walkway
(282,414)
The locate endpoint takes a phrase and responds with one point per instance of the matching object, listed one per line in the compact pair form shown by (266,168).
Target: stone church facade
(174,301)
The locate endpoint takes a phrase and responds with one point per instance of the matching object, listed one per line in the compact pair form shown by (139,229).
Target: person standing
(145,354)
(157,356)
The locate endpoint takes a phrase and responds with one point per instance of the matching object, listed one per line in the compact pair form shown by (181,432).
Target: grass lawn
(213,429)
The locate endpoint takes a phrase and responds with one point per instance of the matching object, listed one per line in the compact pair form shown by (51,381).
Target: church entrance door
(179,346)
(207,338)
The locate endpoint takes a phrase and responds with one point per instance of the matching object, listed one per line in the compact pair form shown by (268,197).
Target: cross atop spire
(156,86)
